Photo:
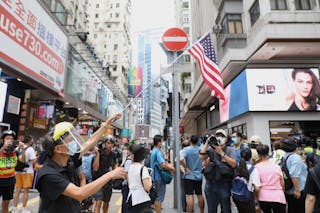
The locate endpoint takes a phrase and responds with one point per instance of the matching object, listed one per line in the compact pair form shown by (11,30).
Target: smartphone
(15,143)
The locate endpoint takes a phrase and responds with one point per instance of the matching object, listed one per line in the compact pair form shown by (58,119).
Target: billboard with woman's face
(280,89)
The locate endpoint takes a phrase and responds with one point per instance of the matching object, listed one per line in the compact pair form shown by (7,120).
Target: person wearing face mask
(158,157)
(237,142)
(218,188)
(57,182)
(107,162)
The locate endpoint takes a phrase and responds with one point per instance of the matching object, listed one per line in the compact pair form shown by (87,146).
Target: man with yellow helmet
(57,183)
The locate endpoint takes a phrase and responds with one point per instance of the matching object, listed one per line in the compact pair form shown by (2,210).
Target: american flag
(203,52)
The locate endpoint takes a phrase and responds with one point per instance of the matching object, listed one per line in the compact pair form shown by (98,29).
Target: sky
(156,15)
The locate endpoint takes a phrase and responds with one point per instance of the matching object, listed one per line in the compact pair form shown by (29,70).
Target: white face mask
(73,148)
(221,140)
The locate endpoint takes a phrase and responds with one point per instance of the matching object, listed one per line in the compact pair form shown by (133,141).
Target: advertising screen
(283,89)
(271,89)
(134,81)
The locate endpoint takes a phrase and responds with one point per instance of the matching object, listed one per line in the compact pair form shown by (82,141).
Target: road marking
(119,203)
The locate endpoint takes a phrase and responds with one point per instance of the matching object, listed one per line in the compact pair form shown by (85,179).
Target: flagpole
(162,72)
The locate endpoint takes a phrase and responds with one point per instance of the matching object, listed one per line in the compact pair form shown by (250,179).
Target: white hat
(255,139)
(221,131)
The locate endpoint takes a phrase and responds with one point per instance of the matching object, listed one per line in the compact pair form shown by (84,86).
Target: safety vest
(7,164)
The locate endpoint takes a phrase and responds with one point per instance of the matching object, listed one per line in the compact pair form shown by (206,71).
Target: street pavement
(115,202)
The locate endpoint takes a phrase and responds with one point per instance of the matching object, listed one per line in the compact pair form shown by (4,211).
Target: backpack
(286,176)
(21,166)
(239,188)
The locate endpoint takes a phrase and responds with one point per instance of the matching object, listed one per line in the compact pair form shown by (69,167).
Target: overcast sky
(155,15)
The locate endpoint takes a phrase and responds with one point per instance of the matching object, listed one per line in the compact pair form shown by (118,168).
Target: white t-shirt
(136,190)
(30,155)
(254,178)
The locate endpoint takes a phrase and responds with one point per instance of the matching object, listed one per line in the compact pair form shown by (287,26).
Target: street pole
(176,135)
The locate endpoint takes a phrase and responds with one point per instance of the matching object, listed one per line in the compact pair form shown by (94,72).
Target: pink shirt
(270,189)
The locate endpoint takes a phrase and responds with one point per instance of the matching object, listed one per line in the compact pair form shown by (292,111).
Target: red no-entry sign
(175,39)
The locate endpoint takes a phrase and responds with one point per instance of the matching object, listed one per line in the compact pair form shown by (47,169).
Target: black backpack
(21,166)
(286,176)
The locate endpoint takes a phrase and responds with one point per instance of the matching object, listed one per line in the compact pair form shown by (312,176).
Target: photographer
(8,161)
(220,161)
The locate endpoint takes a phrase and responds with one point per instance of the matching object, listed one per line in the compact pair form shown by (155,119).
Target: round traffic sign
(175,39)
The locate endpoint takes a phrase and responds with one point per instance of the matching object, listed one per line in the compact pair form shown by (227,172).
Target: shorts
(161,190)
(24,180)
(192,187)
(7,192)
(104,193)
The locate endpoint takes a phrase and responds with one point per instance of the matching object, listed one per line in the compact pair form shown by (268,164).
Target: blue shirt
(156,157)
(238,151)
(297,169)
(193,162)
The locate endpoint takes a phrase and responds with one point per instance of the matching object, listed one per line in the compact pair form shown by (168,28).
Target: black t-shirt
(311,187)
(53,180)
(106,162)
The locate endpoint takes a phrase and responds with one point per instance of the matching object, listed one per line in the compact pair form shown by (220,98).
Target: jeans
(218,193)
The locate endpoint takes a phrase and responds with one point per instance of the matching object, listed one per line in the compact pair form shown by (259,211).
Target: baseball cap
(222,132)
(255,139)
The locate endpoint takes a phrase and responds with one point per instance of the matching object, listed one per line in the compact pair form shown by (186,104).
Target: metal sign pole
(176,135)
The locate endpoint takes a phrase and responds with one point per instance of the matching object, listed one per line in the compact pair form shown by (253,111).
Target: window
(95,35)
(96,25)
(115,68)
(278,4)
(186,18)
(110,6)
(97,15)
(187,58)
(105,46)
(254,12)
(117,15)
(232,24)
(187,88)
(115,46)
(97,6)
(302,4)
(109,26)
(110,15)
(115,58)
(109,57)
(117,5)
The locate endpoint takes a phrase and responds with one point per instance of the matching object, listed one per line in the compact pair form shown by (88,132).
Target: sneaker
(13,210)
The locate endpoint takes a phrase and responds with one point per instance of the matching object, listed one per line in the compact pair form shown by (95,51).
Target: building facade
(109,33)
(258,45)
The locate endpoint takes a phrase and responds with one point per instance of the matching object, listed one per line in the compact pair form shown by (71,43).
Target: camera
(213,141)
(10,149)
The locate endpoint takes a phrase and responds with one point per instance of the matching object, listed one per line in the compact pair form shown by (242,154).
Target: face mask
(73,148)
(234,141)
(221,140)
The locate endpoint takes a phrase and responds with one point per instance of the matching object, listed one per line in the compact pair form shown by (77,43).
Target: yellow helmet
(60,129)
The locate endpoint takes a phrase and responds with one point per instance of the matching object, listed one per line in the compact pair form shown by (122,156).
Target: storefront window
(302,129)
(240,128)
(85,86)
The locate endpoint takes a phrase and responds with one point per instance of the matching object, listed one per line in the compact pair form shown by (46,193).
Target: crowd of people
(78,176)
